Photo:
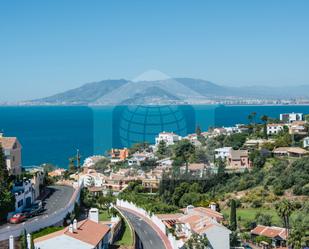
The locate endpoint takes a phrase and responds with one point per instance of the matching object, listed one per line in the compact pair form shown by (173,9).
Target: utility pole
(78,158)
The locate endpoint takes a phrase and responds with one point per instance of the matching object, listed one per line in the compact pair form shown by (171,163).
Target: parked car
(34,210)
(18,218)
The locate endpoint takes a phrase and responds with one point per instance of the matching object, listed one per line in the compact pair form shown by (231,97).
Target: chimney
(190,208)
(75,225)
(71,228)
(213,206)
(94,215)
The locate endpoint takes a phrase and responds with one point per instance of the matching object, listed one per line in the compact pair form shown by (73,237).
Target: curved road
(145,232)
(58,198)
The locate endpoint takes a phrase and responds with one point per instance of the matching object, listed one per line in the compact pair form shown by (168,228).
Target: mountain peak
(151,75)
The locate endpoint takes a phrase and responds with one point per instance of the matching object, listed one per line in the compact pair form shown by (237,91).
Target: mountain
(83,95)
(165,90)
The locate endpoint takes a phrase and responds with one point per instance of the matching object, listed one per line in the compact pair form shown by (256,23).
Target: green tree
(162,149)
(197,241)
(4,174)
(297,237)
(264,118)
(183,150)
(6,196)
(284,210)
(198,130)
(233,216)
(23,240)
(263,219)
(72,167)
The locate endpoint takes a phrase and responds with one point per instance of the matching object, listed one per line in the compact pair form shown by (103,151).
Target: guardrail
(41,221)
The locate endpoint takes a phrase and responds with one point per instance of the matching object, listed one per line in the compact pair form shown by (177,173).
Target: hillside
(165,91)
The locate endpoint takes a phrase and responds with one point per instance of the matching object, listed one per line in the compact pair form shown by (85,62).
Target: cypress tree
(233,220)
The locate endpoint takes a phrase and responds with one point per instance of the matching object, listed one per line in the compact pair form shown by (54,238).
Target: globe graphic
(136,124)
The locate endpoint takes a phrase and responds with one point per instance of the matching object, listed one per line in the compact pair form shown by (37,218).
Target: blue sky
(50,46)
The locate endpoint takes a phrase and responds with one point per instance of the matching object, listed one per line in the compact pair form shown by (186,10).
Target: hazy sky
(51,46)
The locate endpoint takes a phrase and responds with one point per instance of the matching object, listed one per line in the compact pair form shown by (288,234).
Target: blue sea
(53,134)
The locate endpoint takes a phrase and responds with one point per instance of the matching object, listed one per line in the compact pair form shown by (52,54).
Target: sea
(53,134)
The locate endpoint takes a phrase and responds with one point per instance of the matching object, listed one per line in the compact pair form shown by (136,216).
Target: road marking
(150,242)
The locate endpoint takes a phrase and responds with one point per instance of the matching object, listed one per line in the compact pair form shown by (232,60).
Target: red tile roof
(270,232)
(88,231)
(7,142)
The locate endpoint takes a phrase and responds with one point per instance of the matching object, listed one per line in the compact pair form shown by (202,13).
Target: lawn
(45,231)
(248,214)
(126,236)
(104,216)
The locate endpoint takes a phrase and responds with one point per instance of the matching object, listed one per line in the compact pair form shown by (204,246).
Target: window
(20,203)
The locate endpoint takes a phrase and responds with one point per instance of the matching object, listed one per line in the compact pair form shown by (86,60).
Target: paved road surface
(59,197)
(148,236)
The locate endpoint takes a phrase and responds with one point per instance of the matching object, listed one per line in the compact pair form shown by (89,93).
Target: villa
(12,151)
(273,129)
(277,235)
(86,234)
(169,138)
(298,128)
(290,152)
(119,154)
(223,153)
(238,159)
(198,220)
(291,117)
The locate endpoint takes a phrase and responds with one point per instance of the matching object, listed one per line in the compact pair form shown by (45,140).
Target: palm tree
(284,210)
(264,118)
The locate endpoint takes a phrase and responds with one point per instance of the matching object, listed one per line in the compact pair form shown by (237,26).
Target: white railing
(41,221)
(159,224)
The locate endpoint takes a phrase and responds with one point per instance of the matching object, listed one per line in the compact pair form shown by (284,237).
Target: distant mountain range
(167,91)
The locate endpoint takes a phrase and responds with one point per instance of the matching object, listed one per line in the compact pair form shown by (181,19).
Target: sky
(51,46)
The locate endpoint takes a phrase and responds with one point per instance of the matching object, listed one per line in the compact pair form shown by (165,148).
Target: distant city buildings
(12,151)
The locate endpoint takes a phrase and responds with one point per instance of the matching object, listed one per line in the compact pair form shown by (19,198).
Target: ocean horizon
(52,134)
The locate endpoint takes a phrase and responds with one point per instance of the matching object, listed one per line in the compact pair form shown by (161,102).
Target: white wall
(128,205)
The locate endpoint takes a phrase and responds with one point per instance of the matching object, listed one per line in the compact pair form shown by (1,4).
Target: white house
(223,153)
(93,179)
(24,194)
(273,129)
(306,142)
(201,221)
(169,138)
(139,157)
(86,234)
(291,117)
